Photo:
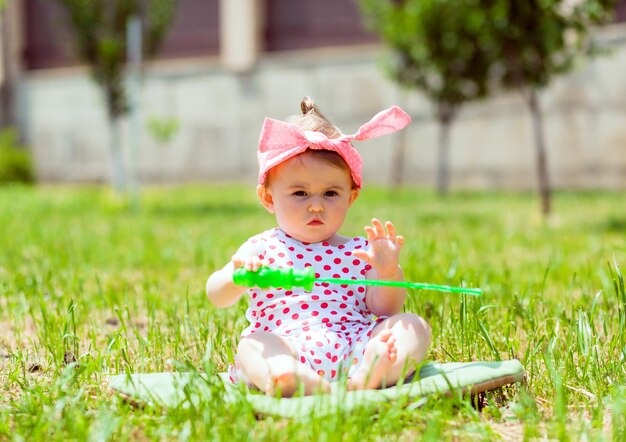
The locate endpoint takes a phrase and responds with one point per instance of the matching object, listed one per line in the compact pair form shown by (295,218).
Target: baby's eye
(331,193)
(299,193)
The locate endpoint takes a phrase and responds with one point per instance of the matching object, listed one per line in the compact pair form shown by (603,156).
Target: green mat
(183,389)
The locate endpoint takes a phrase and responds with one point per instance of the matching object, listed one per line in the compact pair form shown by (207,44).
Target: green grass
(82,277)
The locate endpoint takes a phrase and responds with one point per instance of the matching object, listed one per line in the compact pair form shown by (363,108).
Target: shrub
(15,160)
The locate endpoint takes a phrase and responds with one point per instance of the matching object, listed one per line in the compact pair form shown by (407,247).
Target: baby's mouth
(315,222)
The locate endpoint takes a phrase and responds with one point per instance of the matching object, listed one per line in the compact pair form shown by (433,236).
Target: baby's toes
(283,385)
(392,351)
(385,335)
(393,354)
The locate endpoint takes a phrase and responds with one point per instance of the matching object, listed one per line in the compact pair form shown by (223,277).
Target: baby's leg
(395,346)
(272,365)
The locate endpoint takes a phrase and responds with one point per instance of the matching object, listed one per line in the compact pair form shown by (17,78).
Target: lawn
(89,288)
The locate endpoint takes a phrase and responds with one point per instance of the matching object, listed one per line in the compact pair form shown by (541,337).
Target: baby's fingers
(363,255)
(255,264)
(391,231)
(371,233)
(237,261)
(399,241)
(378,228)
(252,264)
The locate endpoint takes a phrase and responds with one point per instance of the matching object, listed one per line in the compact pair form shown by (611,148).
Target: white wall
(221,113)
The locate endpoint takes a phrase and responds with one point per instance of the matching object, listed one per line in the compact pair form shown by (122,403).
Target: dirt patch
(509,431)
(16,335)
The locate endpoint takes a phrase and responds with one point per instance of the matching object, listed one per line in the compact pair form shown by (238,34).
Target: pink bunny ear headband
(281,141)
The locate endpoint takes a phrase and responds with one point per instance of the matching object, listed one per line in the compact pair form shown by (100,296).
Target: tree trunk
(134,45)
(443,179)
(118,172)
(6,105)
(542,159)
(398,160)
(8,71)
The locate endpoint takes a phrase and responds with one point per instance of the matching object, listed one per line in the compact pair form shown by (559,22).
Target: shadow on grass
(614,224)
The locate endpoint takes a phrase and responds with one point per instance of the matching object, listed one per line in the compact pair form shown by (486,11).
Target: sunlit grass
(89,288)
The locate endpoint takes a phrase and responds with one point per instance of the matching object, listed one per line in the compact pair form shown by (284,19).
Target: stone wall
(220,114)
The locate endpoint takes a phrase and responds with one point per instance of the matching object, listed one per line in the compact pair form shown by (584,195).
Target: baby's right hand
(250,263)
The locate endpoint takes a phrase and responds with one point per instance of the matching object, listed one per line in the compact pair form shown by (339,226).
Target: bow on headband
(281,141)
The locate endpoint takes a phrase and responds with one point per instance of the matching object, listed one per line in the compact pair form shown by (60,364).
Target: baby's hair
(312,119)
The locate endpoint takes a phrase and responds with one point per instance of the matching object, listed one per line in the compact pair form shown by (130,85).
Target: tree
(455,51)
(99,31)
(439,48)
(538,40)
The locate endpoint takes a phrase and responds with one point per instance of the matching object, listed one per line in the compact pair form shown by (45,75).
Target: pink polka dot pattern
(280,141)
(328,326)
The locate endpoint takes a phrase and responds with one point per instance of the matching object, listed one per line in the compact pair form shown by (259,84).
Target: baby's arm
(383,255)
(220,289)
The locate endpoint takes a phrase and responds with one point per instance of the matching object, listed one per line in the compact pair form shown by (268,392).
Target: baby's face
(310,197)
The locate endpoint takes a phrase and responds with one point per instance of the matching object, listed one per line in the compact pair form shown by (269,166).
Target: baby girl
(309,177)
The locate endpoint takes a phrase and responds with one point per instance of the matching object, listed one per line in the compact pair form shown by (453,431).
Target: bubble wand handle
(274,277)
(287,278)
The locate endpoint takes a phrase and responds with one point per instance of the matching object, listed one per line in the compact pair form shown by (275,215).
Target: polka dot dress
(328,326)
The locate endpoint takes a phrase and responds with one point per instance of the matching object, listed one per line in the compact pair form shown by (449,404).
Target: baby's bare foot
(288,383)
(380,354)
(282,385)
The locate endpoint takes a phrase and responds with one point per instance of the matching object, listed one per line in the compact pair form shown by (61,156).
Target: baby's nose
(316,205)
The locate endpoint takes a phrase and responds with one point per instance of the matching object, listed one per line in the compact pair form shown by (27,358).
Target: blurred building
(227,64)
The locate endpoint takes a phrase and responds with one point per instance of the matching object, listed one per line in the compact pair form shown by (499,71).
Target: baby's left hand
(384,251)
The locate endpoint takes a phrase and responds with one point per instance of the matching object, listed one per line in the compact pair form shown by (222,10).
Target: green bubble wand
(287,278)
